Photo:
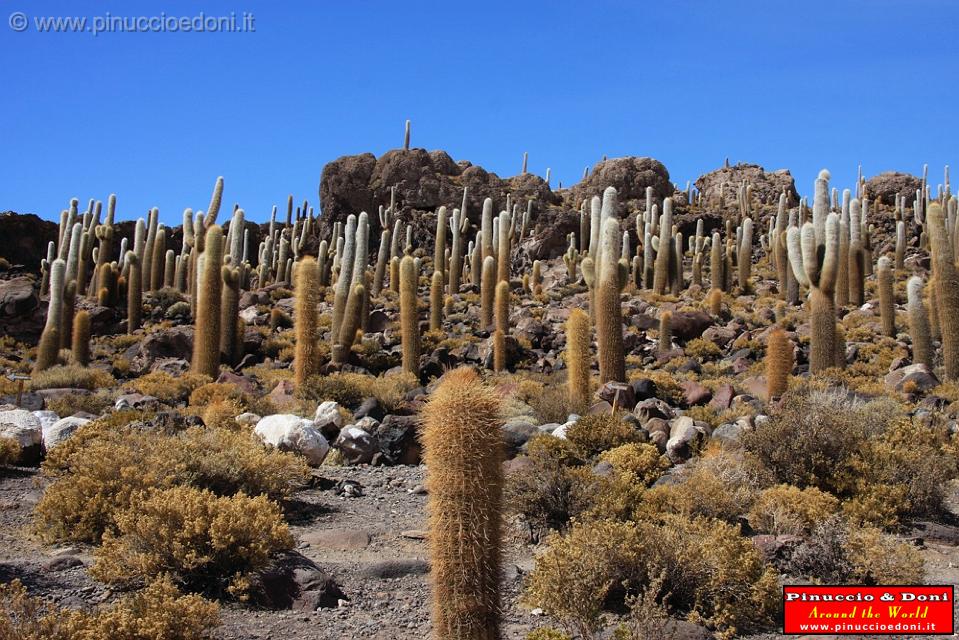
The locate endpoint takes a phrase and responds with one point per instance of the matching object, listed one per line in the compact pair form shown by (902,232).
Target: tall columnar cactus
(815,260)
(134,292)
(779,363)
(746,255)
(487,292)
(409,317)
(69,308)
(502,325)
(439,246)
(360,259)
(578,359)
(49,346)
(486,239)
(887,302)
(80,345)
(918,323)
(159,259)
(662,245)
(502,255)
(609,312)
(900,245)
(237,229)
(665,341)
(169,269)
(305,320)
(206,335)
(383,256)
(945,288)
(595,226)
(406,136)
(230,346)
(345,279)
(73,252)
(458,224)
(352,319)
(463,450)
(857,255)
(715,301)
(842,275)
(395,274)
(436,301)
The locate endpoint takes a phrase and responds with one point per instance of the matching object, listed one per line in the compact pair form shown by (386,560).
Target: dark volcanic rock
(24,238)
(887,186)
(766,185)
(630,176)
(17,297)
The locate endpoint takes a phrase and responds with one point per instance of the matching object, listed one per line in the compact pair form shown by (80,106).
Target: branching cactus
(918,323)
(609,313)
(946,289)
(779,363)
(571,258)
(305,320)
(463,450)
(49,347)
(887,302)
(409,316)
(815,261)
(206,335)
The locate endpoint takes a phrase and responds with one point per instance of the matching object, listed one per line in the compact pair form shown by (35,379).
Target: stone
(722,398)
(695,393)
(517,431)
(18,297)
(356,445)
(652,408)
(766,185)
(46,418)
(617,393)
(173,342)
(643,389)
(289,432)
(337,539)
(918,377)
(247,419)
(296,582)
(890,185)
(370,407)
(282,393)
(683,434)
(246,385)
(328,419)
(729,433)
(135,401)
(398,440)
(61,430)
(23,427)
(690,324)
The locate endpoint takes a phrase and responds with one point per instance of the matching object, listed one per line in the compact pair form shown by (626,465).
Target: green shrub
(206,542)
(594,434)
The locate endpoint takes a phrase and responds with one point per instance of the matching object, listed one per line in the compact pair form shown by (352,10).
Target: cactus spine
(49,346)
(305,320)
(779,363)
(918,323)
(502,325)
(409,316)
(887,303)
(206,335)
(80,345)
(609,313)
(463,450)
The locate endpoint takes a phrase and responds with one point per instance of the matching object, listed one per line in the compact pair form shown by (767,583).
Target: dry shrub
(71,404)
(788,510)
(103,469)
(167,388)
(350,389)
(812,436)
(9,451)
(206,542)
(158,611)
(648,617)
(552,489)
(71,377)
(594,434)
(720,484)
(702,349)
(547,633)
(640,463)
(708,569)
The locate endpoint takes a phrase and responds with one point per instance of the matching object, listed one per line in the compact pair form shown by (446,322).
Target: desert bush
(551,489)
(904,471)
(158,611)
(9,451)
(167,388)
(788,510)
(702,349)
(547,633)
(594,434)
(68,405)
(212,392)
(208,543)
(73,377)
(648,617)
(708,569)
(104,470)
(811,437)
(637,462)
(720,484)
(350,389)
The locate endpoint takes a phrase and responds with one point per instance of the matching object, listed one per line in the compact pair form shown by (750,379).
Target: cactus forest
(624,409)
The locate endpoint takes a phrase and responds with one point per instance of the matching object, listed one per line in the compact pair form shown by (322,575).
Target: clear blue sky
(155,117)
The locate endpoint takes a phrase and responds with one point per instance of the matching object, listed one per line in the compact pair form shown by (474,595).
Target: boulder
(617,394)
(766,186)
(296,582)
(328,419)
(288,432)
(17,297)
(23,427)
(24,238)
(889,185)
(397,436)
(630,176)
(60,430)
(174,342)
(356,444)
(918,377)
(687,325)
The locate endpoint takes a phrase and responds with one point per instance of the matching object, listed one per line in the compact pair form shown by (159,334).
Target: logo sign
(852,610)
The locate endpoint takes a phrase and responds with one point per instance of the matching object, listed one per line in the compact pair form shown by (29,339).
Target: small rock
(289,432)
(337,539)
(617,394)
(356,444)
(328,419)
(918,377)
(24,427)
(722,398)
(62,429)
(695,393)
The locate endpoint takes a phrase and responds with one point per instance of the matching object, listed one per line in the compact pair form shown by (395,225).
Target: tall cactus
(857,255)
(502,254)
(887,302)
(502,325)
(578,360)
(383,256)
(487,291)
(134,292)
(945,288)
(609,312)
(206,335)
(436,301)
(49,347)
(305,320)
(665,342)
(80,345)
(746,255)
(409,316)
(662,245)
(439,246)
(779,363)
(345,280)
(918,323)
(230,344)
(351,323)
(463,450)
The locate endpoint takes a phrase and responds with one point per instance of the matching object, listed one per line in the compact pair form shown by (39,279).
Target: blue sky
(155,117)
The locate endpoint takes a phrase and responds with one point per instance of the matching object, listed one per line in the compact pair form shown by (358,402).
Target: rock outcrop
(766,185)
(889,185)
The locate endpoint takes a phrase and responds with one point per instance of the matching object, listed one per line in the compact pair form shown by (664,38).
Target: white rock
(247,419)
(560,431)
(62,429)
(22,426)
(249,314)
(288,432)
(46,418)
(327,414)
